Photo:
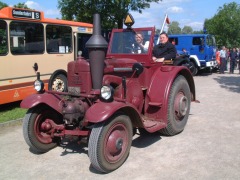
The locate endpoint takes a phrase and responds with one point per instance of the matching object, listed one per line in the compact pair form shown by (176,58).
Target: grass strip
(11,111)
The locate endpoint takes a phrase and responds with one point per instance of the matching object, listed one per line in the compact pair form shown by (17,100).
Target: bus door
(80,40)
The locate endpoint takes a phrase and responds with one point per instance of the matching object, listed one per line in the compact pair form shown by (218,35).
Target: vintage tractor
(109,97)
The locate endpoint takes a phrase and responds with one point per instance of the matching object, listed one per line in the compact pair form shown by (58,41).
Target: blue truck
(201,48)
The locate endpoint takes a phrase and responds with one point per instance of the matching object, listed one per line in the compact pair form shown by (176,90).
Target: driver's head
(139,37)
(163,38)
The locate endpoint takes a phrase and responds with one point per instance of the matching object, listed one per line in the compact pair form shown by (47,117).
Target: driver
(140,46)
(164,50)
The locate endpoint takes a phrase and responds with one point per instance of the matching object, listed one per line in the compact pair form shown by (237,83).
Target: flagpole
(165,18)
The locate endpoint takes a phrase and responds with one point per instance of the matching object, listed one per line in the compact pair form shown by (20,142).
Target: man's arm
(146,45)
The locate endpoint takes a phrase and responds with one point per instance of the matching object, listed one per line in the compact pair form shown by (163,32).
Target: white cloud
(174,1)
(196,25)
(147,19)
(33,5)
(175,9)
(52,13)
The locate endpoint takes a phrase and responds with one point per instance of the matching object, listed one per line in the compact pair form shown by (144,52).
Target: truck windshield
(127,42)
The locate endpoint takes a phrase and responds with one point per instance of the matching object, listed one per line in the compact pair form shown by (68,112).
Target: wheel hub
(181,105)
(119,143)
(58,85)
(46,126)
(115,143)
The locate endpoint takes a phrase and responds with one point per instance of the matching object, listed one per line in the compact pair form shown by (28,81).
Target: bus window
(26,38)
(3,38)
(59,39)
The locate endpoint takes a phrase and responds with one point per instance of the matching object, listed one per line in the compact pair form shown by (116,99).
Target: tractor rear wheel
(178,107)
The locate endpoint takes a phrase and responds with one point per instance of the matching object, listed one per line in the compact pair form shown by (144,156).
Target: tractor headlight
(39,85)
(107,93)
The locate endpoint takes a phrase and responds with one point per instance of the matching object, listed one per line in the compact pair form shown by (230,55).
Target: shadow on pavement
(76,146)
(73,146)
(231,83)
(146,139)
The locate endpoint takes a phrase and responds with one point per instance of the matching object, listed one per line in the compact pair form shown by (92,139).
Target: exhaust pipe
(97,46)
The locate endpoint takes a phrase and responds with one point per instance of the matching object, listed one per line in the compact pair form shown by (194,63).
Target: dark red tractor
(109,97)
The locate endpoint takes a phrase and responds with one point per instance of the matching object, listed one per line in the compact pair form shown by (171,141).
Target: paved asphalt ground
(208,148)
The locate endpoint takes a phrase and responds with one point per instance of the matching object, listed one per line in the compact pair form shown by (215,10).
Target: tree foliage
(187,30)
(21,5)
(174,28)
(225,25)
(2,5)
(111,12)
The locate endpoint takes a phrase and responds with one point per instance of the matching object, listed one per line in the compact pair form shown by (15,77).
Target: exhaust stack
(97,46)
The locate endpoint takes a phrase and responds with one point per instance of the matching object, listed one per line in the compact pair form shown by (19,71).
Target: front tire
(39,139)
(110,142)
(193,68)
(178,107)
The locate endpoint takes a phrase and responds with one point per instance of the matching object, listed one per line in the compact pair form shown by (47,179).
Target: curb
(11,123)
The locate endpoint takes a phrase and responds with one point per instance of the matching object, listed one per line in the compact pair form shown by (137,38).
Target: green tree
(198,32)
(187,30)
(174,28)
(21,5)
(225,25)
(2,5)
(111,12)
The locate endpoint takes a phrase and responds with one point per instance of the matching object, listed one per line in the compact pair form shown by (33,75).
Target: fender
(179,62)
(101,111)
(59,71)
(195,59)
(159,89)
(51,100)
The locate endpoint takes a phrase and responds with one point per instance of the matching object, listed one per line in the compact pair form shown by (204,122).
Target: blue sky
(186,12)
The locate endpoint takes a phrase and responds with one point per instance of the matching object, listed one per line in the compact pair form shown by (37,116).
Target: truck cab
(201,48)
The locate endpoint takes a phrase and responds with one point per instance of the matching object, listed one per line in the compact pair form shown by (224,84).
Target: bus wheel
(110,142)
(58,83)
(193,68)
(178,107)
(37,131)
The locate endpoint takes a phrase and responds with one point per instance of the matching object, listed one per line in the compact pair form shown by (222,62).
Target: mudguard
(51,100)
(101,111)
(180,61)
(160,86)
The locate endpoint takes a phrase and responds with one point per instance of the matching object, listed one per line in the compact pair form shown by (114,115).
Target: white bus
(26,38)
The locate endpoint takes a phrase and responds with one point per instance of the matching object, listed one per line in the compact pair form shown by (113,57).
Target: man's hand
(158,59)
(140,44)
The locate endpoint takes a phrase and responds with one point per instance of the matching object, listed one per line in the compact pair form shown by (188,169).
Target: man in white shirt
(140,46)
(223,55)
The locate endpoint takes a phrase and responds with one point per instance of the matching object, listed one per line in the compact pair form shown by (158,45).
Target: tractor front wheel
(37,129)
(110,142)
